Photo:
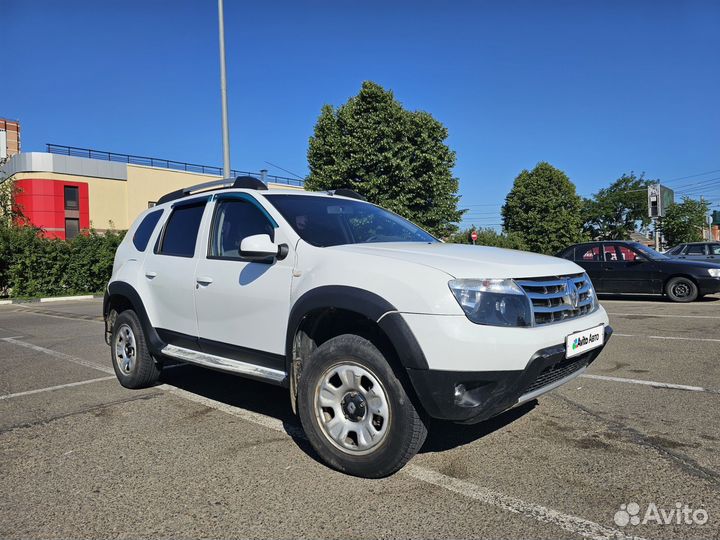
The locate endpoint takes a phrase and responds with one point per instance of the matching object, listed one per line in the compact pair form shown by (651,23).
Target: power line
(692,175)
(289,172)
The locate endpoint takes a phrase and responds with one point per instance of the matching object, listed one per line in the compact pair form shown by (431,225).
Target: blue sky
(595,88)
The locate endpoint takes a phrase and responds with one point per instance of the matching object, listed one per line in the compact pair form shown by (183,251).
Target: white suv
(371,323)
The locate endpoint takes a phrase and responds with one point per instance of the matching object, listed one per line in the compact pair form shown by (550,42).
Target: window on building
(181,231)
(72,198)
(236,219)
(145,230)
(72,228)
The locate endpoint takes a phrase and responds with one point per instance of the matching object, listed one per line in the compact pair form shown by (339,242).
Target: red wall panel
(43,202)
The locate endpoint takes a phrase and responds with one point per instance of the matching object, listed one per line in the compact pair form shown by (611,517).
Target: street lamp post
(223,94)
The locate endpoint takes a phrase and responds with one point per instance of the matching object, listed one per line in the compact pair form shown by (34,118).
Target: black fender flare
(126,291)
(366,303)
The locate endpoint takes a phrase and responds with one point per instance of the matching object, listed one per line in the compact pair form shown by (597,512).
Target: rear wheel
(681,289)
(355,411)
(131,359)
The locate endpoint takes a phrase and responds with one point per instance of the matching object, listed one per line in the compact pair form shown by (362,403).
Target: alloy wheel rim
(125,349)
(352,408)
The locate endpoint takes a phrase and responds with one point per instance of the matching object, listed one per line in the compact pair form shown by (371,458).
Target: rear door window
(181,231)
(715,249)
(587,253)
(696,249)
(627,254)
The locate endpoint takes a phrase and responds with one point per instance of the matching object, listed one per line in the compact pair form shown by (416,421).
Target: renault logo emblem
(572,293)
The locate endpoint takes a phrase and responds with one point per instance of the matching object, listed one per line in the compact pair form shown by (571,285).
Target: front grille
(552,297)
(557,371)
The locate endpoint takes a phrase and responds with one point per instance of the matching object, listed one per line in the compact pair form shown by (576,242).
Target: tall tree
(684,221)
(394,157)
(616,211)
(544,209)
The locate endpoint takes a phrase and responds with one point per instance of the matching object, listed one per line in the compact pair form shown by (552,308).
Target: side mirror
(259,247)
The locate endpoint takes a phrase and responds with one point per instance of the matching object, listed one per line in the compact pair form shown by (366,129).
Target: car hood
(466,261)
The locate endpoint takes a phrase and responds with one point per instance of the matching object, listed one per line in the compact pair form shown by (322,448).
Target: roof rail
(344,192)
(246,182)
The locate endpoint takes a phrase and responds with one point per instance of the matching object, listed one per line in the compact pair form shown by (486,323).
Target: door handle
(204,280)
(150,275)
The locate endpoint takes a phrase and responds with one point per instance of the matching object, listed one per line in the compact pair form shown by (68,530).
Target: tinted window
(587,253)
(72,228)
(715,249)
(329,221)
(145,230)
(627,254)
(234,220)
(696,249)
(72,198)
(181,231)
(676,250)
(609,253)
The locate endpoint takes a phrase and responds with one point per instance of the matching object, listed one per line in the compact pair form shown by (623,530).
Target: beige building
(68,189)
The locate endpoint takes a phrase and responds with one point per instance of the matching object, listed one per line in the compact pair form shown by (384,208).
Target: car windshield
(649,252)
(329,221)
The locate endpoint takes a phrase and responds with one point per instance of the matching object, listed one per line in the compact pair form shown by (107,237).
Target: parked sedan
(696,251)
(630,267)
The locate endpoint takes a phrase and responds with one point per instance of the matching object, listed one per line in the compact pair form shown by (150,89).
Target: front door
(242,306)
(628,271)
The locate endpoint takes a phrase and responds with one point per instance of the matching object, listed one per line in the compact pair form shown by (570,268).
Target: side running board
(223,364)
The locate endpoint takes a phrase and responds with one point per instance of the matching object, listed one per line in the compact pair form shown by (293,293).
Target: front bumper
(708,285)
(474,396)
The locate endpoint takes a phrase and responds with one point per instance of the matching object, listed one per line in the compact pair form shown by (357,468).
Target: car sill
(223,364)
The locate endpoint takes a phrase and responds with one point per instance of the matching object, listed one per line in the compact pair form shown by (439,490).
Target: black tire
(681,289)
(404,432)
(142,370)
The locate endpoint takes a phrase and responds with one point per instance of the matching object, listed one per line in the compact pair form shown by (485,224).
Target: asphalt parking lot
(206,454)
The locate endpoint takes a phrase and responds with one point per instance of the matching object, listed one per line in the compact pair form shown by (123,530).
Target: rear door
(168,277)
(696,252)
(589,256)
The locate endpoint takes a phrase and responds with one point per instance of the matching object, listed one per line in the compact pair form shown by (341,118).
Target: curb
(49,299)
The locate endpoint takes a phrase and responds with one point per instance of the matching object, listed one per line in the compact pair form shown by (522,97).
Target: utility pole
(223,93)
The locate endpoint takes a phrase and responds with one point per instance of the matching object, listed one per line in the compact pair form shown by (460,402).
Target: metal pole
(223,93)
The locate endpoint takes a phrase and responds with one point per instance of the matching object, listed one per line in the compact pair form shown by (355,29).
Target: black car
(696,251)
(630,267)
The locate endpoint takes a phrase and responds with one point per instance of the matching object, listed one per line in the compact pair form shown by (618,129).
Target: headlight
(495,302)
(714,272)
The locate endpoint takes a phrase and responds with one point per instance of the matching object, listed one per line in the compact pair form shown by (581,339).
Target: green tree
(394,157)
(615,211)
(544,209)
(684,222)
(488,237)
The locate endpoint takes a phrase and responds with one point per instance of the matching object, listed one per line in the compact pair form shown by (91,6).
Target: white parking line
(668,337)
(567,522)
(573,524)
(664,316)
(59,355)
(654,384)
(58,387)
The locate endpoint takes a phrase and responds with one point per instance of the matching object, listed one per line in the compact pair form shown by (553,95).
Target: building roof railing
(163,163)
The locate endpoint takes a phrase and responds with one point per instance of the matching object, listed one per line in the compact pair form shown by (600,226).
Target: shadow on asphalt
(273,401)
(653,298)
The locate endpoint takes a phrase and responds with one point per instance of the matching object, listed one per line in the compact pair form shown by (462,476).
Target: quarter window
(181,231)
(234,220)
(145,230)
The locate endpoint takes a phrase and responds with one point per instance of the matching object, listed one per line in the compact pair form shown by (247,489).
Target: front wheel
(355,411)
(681,289)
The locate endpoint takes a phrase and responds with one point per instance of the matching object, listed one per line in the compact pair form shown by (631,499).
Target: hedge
(32,265)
